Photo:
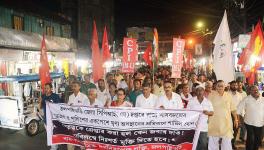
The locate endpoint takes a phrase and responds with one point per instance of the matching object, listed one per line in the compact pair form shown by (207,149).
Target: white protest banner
(130,54)
(178,47)
(121,128)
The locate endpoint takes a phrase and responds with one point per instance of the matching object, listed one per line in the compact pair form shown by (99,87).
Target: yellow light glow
(190,41)
(199,24)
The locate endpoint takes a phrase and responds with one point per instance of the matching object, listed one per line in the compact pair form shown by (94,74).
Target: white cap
(200,86)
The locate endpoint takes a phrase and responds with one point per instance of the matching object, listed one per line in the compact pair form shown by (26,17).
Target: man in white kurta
(147,99)
(253,109)
(77,99)
(169,100)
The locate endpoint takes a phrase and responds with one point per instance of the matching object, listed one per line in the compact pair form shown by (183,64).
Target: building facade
(82,14)
(20,42)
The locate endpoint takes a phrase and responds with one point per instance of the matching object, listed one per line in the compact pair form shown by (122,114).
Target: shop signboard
(32,41)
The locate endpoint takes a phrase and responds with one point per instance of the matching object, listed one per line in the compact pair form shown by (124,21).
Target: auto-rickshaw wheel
(32,128)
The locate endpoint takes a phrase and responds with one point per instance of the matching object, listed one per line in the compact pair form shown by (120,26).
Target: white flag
(223,60)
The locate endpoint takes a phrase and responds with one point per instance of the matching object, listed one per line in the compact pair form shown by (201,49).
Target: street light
(199,24)
(190,41)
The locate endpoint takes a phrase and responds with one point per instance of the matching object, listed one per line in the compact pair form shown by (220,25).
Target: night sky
(171,17)
(178,17)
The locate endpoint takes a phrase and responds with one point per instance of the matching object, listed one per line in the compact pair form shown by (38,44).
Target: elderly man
(147,99)
(203,104)
(253,108)
(220,126)
(92,96)
(169,100)
(208,88)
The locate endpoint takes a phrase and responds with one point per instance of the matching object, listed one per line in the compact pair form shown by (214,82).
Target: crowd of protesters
(228,108)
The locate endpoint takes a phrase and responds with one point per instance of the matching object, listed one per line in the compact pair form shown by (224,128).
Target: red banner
(130,54)
(178,47)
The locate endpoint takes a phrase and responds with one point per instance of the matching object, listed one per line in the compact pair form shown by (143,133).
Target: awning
(31,41)
(27,77)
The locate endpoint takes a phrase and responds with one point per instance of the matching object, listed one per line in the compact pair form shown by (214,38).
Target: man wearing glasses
(220,127)
(169,100)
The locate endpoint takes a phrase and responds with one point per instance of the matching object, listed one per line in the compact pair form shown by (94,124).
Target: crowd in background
(227,107)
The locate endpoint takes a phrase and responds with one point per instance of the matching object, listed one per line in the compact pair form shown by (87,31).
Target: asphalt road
(18,140)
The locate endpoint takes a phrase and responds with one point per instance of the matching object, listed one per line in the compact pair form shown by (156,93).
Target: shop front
(20,54)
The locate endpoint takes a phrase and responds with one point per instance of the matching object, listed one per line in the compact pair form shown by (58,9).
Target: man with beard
(136,91)
(236,97)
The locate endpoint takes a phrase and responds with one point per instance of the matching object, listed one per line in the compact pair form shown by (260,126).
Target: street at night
(131,75)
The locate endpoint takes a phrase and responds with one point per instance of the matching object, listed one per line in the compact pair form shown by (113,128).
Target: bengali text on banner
(122,128)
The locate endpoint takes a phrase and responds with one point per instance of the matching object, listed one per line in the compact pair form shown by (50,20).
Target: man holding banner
(169,100)
(203,104)
(122,128)
(77,99)
(147,99)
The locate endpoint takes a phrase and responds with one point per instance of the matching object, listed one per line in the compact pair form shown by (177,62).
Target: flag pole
(153,69)
(113,54)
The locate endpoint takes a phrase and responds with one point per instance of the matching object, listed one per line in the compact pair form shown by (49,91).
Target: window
(18,22)
(49,30)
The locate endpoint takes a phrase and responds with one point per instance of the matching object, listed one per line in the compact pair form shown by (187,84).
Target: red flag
(44,73)
(96,57)
(252,56)
(105,47)
(147,56)
(4,73)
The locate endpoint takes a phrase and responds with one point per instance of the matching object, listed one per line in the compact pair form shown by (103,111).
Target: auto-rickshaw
(18,110)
